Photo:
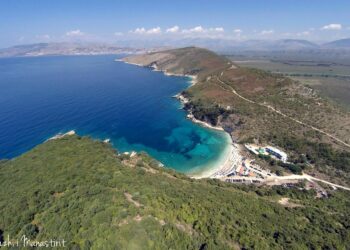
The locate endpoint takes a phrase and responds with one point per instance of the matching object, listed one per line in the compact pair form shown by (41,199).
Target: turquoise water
(97,96)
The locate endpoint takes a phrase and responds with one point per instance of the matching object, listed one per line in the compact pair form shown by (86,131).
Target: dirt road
(282,114)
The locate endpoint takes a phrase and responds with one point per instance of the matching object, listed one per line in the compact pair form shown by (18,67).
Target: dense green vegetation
(82,191)
(292,167)
(315,153)
(206,112)
(250,115)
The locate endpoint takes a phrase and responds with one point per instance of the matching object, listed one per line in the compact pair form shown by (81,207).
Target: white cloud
(142,31)
(174,29)
(217,29)
(237,31)
(332,26)
(139,31)
(267,32)
(75,33)
(200,30)
(197,29)
(118,34)
(156,30)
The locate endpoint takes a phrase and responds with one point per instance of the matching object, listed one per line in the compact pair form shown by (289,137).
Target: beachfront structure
(252,148)
(268,150)
(277,153)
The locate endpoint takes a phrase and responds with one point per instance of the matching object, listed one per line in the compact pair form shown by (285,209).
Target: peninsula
(260,108)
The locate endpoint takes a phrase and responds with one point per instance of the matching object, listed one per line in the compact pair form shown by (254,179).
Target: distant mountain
(274,45)
(224,45)
(293,44)
(220,45)
(41,49)
(338,44)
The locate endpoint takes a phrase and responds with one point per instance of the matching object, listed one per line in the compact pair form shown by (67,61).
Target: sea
(100,97)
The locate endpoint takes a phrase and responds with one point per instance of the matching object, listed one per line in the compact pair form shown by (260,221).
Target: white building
(277,153)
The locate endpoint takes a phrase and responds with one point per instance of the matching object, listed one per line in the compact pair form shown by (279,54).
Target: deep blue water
(97,96)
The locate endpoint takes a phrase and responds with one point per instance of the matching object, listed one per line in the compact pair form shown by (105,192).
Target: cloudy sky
(31,21)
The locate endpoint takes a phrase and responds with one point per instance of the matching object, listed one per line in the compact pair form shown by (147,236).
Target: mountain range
(41,49)
(139,46)
(266,45)
(226,45)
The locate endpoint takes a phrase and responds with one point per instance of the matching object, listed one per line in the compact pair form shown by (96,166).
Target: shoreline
(61,135)
(228,159)
(191,117)
(193,81)
(223,165)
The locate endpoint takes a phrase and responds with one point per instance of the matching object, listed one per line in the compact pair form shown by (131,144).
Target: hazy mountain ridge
(42,49)
(342,43)
(221,44)
(139,46)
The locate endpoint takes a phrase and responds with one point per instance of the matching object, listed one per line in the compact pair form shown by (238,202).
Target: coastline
(225,163)
(193,81)
(191,117)
(61,135)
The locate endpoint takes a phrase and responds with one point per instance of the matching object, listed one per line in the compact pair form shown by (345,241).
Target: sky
(32,21)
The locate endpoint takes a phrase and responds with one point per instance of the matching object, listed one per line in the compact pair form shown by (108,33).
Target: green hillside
(257,106)
(183,61)
(81,191)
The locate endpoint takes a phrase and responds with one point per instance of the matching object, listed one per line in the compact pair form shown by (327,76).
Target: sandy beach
(216,169)
(228,159)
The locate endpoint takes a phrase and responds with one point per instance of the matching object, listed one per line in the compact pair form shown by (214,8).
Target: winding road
(290,177)
(282,114)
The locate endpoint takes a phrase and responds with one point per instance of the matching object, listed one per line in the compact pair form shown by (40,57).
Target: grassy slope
(327,77)
(210,99)
(80,190)
(183,61)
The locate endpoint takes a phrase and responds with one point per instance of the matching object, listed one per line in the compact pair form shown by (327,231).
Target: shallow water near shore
(102,98)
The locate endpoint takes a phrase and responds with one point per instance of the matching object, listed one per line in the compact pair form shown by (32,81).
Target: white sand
(229,158)
(223,166)
(204,124)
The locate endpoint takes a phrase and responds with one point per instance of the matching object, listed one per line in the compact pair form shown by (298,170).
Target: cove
(102,98)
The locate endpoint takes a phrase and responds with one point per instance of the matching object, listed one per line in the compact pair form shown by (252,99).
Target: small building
(277,153)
